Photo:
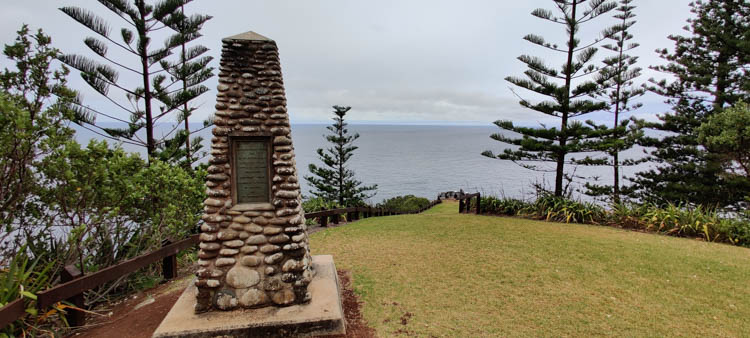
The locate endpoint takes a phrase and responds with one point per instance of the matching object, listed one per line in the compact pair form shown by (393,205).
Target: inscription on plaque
(251,160)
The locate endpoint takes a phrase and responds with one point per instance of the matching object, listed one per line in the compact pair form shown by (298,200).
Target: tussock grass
(446,274)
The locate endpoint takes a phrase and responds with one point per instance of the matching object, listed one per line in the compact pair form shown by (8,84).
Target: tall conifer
(141,21)
(618,90)
(709,67)
(568,91)
(334,181)
(191,69)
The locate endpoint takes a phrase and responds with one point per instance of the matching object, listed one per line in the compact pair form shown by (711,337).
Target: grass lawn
(445,274)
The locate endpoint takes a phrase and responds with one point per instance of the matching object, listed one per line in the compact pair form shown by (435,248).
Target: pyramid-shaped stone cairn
(253,243)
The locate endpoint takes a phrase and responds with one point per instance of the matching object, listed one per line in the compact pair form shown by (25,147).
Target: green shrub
(558,209)
(500,206)
(318,203)
(682,221)
(737,231)
(405,204)
(24,278)
(692,222)
(627,215)
(98,206)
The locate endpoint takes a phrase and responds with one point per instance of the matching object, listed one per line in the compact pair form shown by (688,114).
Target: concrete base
(323,315)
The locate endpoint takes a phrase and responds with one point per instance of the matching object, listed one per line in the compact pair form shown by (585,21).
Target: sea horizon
(414,159)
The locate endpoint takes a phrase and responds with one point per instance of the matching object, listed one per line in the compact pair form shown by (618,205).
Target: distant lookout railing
(464,200)
(354,213)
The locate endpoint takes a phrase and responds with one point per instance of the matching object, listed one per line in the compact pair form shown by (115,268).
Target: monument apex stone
(250,35)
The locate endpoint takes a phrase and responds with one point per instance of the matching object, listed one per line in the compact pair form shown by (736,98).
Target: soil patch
(355,323)
(139,316)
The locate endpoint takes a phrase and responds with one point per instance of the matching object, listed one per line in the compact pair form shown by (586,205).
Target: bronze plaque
(251,160)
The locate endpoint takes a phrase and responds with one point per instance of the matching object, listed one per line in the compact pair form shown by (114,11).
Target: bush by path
(674,220)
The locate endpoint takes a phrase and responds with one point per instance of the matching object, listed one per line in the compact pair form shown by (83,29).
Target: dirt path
(139,316)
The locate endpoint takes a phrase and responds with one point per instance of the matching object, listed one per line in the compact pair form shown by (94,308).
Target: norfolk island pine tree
(141,20)
(708,73)
(335,181)
(618,90)
(568,92)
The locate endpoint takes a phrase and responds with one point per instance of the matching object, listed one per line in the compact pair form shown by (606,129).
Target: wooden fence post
(479,204)
(169,263)
(335,218)
(460,206)
(74,317)
(323,220)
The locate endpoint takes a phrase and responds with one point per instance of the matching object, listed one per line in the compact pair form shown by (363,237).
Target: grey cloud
(434,60)
(410,105)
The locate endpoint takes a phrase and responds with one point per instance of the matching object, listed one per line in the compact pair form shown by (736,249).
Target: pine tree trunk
(143,51)
(340,148)
(616,155)
(616,195)
(560,170)
(184,88)
(722,75)
(188,159)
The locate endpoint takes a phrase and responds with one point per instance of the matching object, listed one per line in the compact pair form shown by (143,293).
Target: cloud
(407,105)
(421,60)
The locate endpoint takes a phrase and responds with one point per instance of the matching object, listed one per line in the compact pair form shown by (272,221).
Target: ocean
(425,160)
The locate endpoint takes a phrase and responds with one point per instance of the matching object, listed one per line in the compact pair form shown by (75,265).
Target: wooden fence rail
(12,311)
(464,203)
(74,284)
(355,213)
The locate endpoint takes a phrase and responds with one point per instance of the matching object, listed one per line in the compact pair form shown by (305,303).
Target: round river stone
(240,277)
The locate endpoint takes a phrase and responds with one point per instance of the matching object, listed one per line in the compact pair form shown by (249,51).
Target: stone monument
(254,251)
(253,248)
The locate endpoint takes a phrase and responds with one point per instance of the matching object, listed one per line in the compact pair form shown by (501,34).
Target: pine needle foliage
(191,69)
(709,70)
(618,91)
(141,20)
(335,181)
(568,92)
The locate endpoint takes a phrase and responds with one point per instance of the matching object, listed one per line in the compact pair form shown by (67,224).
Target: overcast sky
(404,61)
